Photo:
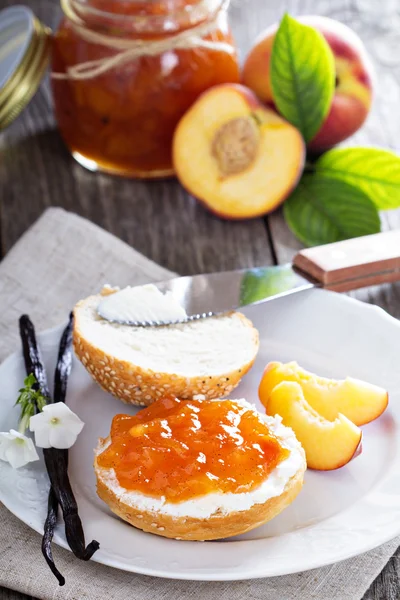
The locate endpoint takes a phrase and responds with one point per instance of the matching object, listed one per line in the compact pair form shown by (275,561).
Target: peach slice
(238,157)
(359,401)
(328,444)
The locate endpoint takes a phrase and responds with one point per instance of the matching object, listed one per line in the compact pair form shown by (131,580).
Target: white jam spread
(205,506)
(141,304)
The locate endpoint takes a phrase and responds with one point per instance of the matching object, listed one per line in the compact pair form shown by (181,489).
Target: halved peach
(328,444)
(359,401)
(238,157)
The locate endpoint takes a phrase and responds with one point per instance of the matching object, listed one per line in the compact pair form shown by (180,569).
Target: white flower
(17,449)
(56,426)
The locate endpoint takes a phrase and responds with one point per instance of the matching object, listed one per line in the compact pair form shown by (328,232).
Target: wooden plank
(158,219)
(11,595)
(387,585)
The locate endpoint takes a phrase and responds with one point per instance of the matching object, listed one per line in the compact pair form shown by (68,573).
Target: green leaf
(30,400)
(321,211)
(41,401)
(302,76)
(30,380)
(376,172)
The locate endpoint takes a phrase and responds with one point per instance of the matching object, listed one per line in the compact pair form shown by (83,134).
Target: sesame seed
(113,384)
(112,372)
(154,524)
(84,360)
(139,516)
(107,368)
(87,354)
(158,376)
(148,397)
(161,528)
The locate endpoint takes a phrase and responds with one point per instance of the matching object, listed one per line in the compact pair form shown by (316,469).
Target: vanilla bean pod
(56,460)
(49,527)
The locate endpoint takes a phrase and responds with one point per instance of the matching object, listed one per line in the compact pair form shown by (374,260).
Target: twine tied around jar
(131,49)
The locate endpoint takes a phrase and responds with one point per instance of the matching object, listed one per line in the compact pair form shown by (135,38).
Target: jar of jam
(125,71)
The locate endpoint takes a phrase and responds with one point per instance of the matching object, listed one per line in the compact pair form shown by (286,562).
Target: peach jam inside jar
(125,71)
(183,449)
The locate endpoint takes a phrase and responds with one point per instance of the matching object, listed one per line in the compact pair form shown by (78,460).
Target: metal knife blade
(210,294)
(216,293)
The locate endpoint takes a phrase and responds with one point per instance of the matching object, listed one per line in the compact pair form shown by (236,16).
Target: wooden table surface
(159,219)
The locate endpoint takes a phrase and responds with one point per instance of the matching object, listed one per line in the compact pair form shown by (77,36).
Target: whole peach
(354,79)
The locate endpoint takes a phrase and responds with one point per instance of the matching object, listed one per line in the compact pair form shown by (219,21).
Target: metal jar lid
(24,56)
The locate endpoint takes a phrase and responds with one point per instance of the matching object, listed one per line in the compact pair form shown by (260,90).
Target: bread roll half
(213,516)
(139,365)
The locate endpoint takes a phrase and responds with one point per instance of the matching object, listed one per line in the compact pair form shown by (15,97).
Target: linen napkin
(61,259)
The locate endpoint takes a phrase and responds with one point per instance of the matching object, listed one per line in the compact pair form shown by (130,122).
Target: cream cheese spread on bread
(205,506)
(139,304)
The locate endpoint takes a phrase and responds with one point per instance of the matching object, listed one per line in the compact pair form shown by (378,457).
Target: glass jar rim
(184,17)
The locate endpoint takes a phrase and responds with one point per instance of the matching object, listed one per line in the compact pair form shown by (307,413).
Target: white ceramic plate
(337,514)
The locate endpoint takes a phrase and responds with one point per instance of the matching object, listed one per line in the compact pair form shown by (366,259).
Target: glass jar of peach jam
(125,71)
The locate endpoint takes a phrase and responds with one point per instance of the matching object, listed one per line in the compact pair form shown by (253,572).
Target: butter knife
(341,266)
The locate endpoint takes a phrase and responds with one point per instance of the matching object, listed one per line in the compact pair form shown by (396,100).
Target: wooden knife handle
(355,263)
